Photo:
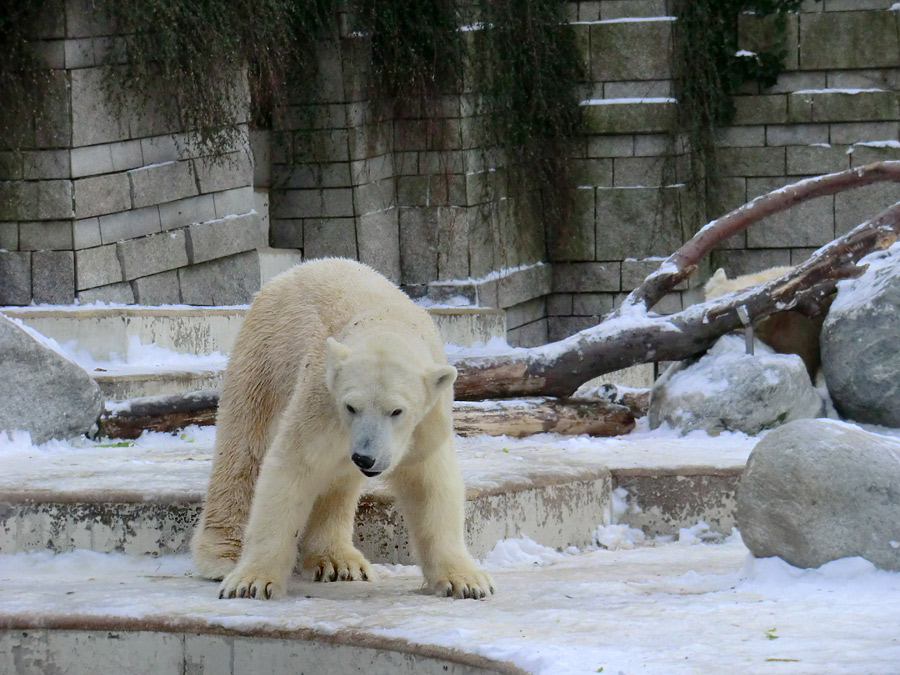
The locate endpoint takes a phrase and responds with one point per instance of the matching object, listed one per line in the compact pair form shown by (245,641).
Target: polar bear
(335,376)
(786,332)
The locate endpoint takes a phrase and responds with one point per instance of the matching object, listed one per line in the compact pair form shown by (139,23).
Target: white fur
(334,370)
(720,284)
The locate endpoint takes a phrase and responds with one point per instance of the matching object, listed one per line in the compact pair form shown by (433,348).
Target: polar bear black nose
(364,462)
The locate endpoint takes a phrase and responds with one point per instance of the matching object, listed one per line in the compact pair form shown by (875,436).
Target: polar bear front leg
(284,496)
(327,549)
(431,496)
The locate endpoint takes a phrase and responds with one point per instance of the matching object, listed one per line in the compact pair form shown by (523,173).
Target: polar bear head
(382,391)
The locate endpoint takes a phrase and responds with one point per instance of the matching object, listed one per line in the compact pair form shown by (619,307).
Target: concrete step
(143,498)
(102,331)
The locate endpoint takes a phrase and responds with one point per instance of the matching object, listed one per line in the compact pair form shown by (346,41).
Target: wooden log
(516,418)
(528,416)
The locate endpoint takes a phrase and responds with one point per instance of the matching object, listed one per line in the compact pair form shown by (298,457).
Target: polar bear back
(295,312)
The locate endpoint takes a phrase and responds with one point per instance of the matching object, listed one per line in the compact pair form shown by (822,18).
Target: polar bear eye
(351,409)
(397,412)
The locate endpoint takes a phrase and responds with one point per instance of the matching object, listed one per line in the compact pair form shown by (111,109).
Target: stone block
(54,199)
(596,172)
(97,267)
(9,236)
(44,164)
(562,327)
(741,136)
(374,197)
(15,278)
(92,160)
(173,215)
(312,176)
(224,281)
(53,277)
(575,239)
(522,285)
(532,334)
(745,261)
(86,233)
(861,106)
(329,237)
(286,233)
(129,224)
(326,203)
(863,153)
(586,277)
(79,53)
(631,50)
(418,233)
(627,117)
(855,132)
(592,304)
(157,289)
(223,237)
(638,89)
(853,207)
(99,195)
(233,202)
(95,118)
(53,129)
(611,146)
(261,153)
(559,304)
(796,134)
(144,256)
(847,40)
(46,235)
(639,222)
(233,170)
(808,224)
(763,34)
(118,294)
(378,240)
(752,161)
(635,271)
(374,169)
(808,160)
(159,183)
(323,145)
(771,109)
(526,312)
(643,171)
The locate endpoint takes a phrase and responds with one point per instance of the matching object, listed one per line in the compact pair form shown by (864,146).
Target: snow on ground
(162,463)
(680,607)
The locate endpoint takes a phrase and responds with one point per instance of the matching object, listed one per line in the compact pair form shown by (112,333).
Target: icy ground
(664,608)
(695,605)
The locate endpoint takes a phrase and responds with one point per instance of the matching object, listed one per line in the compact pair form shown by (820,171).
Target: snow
(622,101)
(662,607)
(856,295)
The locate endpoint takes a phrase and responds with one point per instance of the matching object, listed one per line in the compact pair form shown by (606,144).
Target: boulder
(818,490)
(729,390)
(859,343)
(43,392)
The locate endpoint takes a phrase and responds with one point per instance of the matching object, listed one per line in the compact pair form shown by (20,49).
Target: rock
(43,392)
(818,490)
(859,343)
(730,390)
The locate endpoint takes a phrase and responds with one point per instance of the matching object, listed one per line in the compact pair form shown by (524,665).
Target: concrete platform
(144,498)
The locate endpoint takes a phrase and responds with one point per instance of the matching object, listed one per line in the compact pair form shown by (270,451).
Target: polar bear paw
(467,583)
(252,582)
(346,565)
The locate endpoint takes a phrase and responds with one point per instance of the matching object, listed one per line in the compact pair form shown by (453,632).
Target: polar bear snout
(365,464)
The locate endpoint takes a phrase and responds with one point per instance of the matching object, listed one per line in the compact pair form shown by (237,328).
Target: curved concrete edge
(34,626)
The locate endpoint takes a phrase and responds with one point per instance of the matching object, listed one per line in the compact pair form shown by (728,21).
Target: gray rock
(818,490)
(44,393)
(729,390)
(859,343)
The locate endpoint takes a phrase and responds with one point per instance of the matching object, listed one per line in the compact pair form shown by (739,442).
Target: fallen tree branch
(629,335)
(681,264)
(517,418)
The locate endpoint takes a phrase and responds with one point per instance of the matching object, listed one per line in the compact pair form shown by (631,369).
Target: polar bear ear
(439,378)
(336,351)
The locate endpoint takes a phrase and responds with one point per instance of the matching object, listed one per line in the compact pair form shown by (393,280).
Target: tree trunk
(496,418)
(629,335)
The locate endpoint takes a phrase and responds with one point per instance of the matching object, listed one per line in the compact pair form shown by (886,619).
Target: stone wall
(110,207)
(119,206)
(835,107)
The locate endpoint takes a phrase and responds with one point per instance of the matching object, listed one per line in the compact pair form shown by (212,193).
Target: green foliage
(527,67)
(184,60)
(24,75)
(710,69)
